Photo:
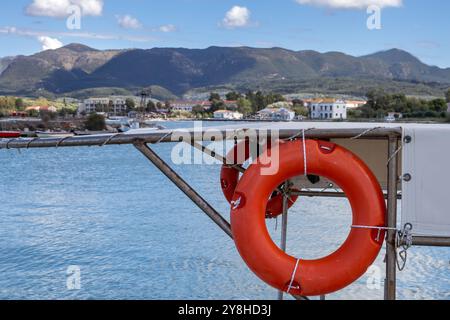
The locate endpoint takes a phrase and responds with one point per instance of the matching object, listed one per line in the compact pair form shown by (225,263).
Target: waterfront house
(276,114)
(188,105)
(41,108)
(353,104)
(113,105)
(227,115)
(328,109)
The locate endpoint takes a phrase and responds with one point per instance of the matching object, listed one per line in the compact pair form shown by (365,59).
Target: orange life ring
(309,277)
(229,178)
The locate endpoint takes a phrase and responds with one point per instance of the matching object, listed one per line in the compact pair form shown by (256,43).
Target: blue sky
(418,26)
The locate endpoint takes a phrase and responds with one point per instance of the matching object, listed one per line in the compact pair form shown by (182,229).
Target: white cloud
(352,4)
(128,22)
(167,28)
(237,17)
(49,43)
(59,8)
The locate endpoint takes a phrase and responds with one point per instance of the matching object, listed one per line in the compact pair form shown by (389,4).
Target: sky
(420,27)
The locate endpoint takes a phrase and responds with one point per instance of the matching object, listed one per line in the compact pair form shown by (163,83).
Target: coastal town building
(188,106)
(231,104)
(329,109)
(114,105)
(41,108)
(353,104)
(276,114)
(228,115)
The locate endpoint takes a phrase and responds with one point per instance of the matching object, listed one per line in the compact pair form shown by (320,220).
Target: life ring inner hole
(317,226)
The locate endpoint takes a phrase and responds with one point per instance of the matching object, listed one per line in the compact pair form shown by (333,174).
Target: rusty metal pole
(430,241)
(284,223)
(185,187)
(391,253)
(167,136)
(216,156)
(328,194)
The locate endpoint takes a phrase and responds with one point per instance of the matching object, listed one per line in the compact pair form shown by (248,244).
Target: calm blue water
(135,236)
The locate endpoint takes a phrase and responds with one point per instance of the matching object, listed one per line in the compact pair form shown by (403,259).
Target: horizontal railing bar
(327,194)
(431,241)
(165,136)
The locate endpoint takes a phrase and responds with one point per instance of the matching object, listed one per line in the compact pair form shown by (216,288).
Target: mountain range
(76,67)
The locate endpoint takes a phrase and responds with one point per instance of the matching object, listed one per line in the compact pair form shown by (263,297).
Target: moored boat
(57,135)
(142,130)
(9,134)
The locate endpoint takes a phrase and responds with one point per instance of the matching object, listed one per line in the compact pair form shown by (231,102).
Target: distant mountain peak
(78,47)
(395,50)
(394,55)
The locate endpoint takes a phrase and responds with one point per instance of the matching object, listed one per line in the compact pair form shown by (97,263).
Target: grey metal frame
(166,136)
(392,135)
(391,249)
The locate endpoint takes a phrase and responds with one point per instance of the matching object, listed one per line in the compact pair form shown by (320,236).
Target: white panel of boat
(426,177)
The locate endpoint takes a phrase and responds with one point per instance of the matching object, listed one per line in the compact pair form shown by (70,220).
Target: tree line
(247,104)
(9,104)
(380,104)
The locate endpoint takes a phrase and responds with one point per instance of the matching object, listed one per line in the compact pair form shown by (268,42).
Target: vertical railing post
(284,223)
(391,253)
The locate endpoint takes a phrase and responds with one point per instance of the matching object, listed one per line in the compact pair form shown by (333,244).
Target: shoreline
(27,126)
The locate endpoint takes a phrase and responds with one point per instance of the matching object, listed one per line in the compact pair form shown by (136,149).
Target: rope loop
(404,241)
(293,277)
(286,193)
(31,141)
(365,133)
(302,133)
(298,134)
(375,228)
(163,137)
(395,153)
(61,141)
(236,204)
(9,141)
(110,138)
(304,153)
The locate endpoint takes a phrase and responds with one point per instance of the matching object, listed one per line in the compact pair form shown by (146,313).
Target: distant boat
(55,135)
(10,134)
(152,121)
(143,130)
(118,121)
